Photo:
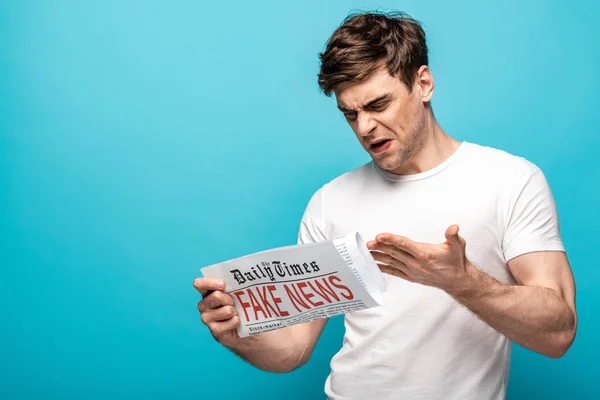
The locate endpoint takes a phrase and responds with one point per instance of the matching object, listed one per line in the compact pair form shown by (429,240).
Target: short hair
(365,42)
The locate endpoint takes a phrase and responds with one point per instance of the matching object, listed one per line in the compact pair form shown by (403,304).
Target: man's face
(388,120)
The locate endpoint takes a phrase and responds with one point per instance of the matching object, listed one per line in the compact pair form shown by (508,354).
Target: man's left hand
(443,265)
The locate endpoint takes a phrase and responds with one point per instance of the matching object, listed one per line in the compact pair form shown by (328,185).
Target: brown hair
(367,41)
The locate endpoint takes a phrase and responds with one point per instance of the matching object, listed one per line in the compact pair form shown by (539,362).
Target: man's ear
(424,83)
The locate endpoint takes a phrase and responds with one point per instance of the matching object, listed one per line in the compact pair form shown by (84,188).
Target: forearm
(276,351)
(534,317)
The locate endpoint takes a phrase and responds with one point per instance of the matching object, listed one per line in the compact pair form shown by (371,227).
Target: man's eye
(350,115)
(378,107)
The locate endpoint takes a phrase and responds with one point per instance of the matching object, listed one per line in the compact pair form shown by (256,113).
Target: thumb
(452,236)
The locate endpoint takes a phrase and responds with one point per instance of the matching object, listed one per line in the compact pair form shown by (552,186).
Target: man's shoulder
(344,185)
(495,160)
(350,180)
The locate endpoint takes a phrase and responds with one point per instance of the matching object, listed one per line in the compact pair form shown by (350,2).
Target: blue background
(142,140)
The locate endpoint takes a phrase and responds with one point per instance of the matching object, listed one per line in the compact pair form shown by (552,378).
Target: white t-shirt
(421,343)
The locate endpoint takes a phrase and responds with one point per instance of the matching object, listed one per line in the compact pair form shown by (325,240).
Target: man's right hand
(217,310)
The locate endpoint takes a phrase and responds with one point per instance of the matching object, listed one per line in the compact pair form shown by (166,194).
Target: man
(467,235)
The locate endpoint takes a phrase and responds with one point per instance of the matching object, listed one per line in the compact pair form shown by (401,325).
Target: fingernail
(220,284)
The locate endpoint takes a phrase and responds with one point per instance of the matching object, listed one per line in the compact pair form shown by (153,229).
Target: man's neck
(437,148)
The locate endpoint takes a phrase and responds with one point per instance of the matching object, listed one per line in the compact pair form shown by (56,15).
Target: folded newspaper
(294,284)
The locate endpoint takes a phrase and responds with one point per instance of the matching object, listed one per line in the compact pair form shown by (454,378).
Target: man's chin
(388,166)
(388,163)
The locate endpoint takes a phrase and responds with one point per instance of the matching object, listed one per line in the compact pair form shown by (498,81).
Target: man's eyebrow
(369,104)
(343,109)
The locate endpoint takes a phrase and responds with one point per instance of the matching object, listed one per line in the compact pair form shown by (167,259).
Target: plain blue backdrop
(142,140)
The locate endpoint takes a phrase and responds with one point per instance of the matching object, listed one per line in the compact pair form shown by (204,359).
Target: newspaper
(295,284)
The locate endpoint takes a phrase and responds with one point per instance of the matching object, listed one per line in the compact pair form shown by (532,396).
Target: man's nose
(365,125)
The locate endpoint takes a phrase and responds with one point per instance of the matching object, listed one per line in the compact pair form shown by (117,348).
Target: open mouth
(381,145)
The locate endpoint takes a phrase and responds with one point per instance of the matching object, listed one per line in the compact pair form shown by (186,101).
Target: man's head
(376,65)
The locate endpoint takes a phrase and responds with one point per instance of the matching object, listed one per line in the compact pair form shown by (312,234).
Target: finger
(205,285)
(395,272)
(393,251)
(218,328)
(215,300)
(452,236)
(411,247)
(382,257)
(218,314)
(391,262)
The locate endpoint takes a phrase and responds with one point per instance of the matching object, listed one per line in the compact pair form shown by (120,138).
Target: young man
(467,235)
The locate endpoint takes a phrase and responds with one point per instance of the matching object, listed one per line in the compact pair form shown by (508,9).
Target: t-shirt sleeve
(312,226)
(533,219)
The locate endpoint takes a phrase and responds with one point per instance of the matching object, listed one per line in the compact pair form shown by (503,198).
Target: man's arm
(538,313)
(282,350)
